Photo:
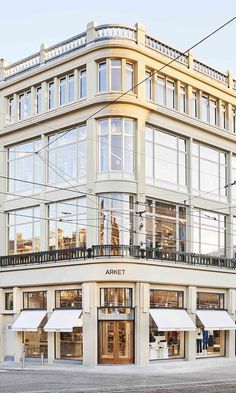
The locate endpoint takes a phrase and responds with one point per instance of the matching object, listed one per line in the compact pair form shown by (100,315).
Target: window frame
(180,298)
(44,298)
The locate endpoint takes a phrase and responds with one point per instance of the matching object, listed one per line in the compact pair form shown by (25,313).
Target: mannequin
(199,338)
(205,341)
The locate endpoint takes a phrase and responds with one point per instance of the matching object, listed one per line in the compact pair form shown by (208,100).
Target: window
(165,91)
(116,219)
(25,165)
(165,158)
(164,298)
(194,104)
(209,300)
(82,83)
(182,99)
(21,106)
(28,104)
(11,109)
(234,236)
(62,88)
(110,75)
(233,169)
(116,75)
(165,226)
(209,110)
(148,85)
(39,100)
(70,345)
(67,151)
(9,301)
(24,230)
(209,171)
(36,342)
(234,120)
(116,297)
(129,76)
(67,224)
(35,300)
(223,116)
(69,298)
(208,233)
(116,145)
(71,88)
(51,95)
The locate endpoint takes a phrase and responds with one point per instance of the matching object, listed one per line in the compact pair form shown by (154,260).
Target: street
(210,375)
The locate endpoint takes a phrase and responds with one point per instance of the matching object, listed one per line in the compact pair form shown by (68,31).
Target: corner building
(118,220)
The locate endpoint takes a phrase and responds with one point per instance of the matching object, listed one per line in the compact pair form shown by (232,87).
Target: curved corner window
(115,75)
(116,145)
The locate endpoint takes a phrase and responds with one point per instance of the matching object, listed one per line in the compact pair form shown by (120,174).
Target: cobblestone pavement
(165,377)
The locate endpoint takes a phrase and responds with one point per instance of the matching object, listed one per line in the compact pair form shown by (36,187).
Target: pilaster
(90,345)
(142,324)
(190,337)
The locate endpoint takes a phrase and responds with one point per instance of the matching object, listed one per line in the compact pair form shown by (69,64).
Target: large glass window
(66,89)
(165,345)
(110,75)
(69,298)
(116,297)
(9,301)
(166,226)
(209,168)
(67,224)
(116,145)
(116,219)
(164,298)
(209,110)
(24,230)
(35,300)
(165,158)
(36,342)
(25,165)
(67,153)
(208,233)
(165,92)
(70,345)
(208,300)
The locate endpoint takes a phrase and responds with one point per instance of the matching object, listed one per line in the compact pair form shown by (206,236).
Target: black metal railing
(117,251)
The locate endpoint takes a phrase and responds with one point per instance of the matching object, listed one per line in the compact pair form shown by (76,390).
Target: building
(118,219)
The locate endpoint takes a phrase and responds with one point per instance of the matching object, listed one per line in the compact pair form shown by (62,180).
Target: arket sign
(117,272)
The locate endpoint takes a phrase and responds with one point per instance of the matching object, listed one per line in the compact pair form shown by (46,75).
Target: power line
(145,79)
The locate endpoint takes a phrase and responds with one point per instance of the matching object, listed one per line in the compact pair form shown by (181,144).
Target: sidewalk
(160,367)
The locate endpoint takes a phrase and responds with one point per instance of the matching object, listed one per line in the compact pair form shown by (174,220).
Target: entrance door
(116,342)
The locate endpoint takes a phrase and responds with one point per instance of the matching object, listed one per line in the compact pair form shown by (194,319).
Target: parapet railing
(111,31)
(117,251)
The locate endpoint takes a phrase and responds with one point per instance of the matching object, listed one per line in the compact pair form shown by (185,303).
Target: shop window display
(210,342)
(70,345)
(164,345)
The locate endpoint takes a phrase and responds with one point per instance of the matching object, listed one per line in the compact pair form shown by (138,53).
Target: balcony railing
(117,251)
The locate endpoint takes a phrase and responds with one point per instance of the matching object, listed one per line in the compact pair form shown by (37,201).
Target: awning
(172,319)
(215,320)
(64,321)
(28,321)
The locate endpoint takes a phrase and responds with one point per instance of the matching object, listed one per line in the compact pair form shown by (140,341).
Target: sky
(25,24)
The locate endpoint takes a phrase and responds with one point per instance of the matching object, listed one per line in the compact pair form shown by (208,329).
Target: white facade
(113,204)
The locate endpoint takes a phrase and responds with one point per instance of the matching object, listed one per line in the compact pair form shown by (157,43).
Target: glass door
(116,342)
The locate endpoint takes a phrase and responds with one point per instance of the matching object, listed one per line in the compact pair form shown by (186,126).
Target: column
(18,305)
(142,305)
(90,326)
(1,324)
(230,334)
(50,308)
(91,177)
(190,337)
(91,79)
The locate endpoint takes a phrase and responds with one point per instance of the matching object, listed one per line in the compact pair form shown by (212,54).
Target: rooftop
(95,34)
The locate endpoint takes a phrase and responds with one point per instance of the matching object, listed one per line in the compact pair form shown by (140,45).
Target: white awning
(216,319)
(168,319)
(64,321)
(28,321)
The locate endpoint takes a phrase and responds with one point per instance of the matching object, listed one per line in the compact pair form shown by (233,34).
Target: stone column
(190,337)
(18,305)
(50,308)
(90,325)
(142,323)
(2,307)
(230,334)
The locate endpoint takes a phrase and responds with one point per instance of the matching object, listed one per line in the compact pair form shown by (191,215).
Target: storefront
(168,323)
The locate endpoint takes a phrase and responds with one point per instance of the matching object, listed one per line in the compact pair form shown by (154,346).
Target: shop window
(35,300)
(36,343)
(116,297)
(207,300)
(163,298)
(70,345)
(164,345)
(9,301)
(209,342)
(69,298)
